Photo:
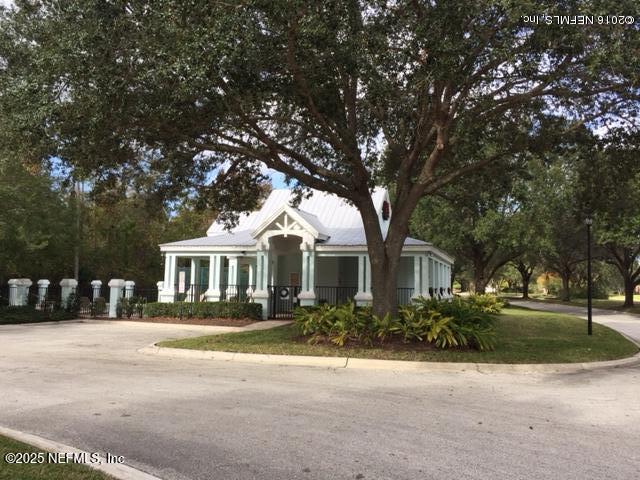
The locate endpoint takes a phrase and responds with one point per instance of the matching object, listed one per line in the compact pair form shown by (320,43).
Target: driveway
(85,385)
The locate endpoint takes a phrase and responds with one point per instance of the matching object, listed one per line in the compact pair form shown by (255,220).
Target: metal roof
(329,214)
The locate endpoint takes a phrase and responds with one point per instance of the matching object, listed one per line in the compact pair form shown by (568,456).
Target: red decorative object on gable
(386,210)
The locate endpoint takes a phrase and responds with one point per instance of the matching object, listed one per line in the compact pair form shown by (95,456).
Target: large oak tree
(334,94)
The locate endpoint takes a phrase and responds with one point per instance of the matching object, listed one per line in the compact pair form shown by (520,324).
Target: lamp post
(588,222)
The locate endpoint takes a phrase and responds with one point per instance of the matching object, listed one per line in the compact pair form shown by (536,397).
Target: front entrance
(282,300)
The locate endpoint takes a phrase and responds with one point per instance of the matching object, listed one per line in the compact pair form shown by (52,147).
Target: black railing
(236,293)
(335,295)
(149,294)
(190,293)
(4,295)
(404,295)
(283,300)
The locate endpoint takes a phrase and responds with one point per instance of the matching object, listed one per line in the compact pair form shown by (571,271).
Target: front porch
(283,277)
(289,257)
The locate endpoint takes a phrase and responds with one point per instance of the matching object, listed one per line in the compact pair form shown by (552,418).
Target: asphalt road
(84,384)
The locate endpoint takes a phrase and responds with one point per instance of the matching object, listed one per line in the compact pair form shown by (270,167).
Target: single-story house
(282,256)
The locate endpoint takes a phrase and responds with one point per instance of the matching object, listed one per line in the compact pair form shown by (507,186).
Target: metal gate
(283,299)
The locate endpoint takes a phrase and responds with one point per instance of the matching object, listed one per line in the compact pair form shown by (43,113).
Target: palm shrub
(458,323)
(487,303)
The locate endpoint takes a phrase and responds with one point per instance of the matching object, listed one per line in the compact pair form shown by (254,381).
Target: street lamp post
(589,221)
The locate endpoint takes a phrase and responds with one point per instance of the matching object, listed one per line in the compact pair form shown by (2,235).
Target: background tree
(609,179)
(484,228)
(332,94)
(35,224)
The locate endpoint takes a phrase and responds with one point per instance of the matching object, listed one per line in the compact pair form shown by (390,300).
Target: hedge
(204,310)
(28,314)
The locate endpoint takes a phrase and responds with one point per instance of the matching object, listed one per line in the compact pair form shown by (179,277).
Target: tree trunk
(525,286)
(384,275)
(564,294)
(629,287)
(384,256)
(479,284)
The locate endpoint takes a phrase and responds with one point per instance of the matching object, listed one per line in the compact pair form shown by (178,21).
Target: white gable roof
(330,219)
(328,209)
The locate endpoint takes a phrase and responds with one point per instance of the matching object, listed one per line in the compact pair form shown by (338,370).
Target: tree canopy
(337,95)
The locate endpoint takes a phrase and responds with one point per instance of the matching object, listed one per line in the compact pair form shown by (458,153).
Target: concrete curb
(395,365)
(116,470)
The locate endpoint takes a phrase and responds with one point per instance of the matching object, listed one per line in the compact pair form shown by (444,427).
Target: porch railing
(340,295)
(335,295)
(190,293)
(404,296)
(235,293)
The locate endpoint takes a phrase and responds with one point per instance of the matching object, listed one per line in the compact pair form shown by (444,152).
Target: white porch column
(116,285)
(192,290)
(167,270)
(425,276)
(43,287)
(251,280)
(232,276)
(261,295)
(420,277)
(215,268)
(364,297)
(307,295)
(168,285)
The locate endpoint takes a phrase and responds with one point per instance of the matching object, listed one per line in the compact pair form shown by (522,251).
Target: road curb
(394,365)
(116,470)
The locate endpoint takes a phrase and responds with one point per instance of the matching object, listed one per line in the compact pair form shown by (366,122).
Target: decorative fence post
(129,287)
(96,287)
(13,292)
(160,286)
(43,288)
(67,287)
(19,291)
(116,285)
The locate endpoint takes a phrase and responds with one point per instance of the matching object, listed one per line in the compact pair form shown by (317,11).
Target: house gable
(287,221)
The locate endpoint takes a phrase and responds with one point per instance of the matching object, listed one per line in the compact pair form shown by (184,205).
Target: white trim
(288,229)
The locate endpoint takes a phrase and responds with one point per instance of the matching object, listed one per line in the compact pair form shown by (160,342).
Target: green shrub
(72,304)
(28,314)
(204,310)
(486,303)
(458,323)
(131,306)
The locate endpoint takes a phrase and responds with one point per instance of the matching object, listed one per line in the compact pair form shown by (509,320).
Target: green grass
(43,471)
(524,336)
(614,302)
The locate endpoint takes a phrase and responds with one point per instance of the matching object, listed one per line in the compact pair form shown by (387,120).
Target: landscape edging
(119,471)
(395,365)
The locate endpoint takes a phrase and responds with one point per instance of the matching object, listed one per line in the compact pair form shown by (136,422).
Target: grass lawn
(614,302)
(43,471)
(524,336)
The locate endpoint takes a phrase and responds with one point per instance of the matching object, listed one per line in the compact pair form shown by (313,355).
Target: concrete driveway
(85,385)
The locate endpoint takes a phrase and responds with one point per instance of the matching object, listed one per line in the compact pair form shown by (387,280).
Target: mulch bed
(216,322)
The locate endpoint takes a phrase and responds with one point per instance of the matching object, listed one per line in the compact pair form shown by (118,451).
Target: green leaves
(459,323)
